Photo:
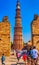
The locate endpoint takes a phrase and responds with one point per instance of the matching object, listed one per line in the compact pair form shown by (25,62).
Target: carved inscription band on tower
(18,42)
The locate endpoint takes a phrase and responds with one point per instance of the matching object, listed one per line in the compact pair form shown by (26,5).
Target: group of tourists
(32,54)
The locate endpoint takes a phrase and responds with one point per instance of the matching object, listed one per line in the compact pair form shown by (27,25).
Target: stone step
(12,60)
(6,63)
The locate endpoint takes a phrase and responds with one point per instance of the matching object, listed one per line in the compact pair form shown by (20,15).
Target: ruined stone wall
(35,32)
(5,37)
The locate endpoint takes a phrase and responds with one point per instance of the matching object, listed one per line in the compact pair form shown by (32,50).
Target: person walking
(3,59)
(30,56)
(24,57)
(34,55)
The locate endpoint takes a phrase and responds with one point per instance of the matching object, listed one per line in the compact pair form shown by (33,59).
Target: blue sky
(28,9)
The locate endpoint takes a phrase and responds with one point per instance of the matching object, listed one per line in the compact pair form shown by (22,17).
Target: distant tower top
(18,9)
(18,4)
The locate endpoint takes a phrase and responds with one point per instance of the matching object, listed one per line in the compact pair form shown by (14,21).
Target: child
(3,59)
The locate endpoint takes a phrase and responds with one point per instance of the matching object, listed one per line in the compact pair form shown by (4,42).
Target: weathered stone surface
(35,32)
(5,37)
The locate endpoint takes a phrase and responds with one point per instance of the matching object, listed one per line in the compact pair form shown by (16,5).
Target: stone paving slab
(12,60)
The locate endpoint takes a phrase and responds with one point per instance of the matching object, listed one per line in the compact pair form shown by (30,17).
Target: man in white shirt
(34,54)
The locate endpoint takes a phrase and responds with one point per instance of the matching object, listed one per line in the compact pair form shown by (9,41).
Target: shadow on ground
(19,64)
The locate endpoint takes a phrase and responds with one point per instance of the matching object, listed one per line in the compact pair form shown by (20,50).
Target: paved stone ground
(12,60)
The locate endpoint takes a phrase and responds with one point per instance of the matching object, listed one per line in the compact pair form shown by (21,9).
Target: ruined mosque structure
(5,37)
(35,31)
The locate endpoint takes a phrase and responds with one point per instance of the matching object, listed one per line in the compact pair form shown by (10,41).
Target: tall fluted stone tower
(18,42)
(5,37)
(35,31)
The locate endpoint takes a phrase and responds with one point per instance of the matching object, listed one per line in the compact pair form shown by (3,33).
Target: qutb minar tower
(18,41)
